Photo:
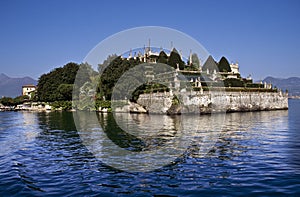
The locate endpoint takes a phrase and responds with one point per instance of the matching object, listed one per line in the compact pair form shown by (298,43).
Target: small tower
(149,47)
(130,54)
(180,53)
(235,68)
(190,58)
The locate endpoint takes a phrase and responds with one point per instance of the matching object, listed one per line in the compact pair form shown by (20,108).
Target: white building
(235,68)
(28,89)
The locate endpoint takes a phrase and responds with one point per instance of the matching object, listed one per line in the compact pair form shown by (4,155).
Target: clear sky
(263,36)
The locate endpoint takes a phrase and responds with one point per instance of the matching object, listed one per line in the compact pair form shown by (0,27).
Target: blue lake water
(256,153)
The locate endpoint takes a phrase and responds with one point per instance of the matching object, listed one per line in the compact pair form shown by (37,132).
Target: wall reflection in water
(251,130)
(142,142)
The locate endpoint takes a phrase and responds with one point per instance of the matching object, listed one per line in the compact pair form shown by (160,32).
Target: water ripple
(256,154)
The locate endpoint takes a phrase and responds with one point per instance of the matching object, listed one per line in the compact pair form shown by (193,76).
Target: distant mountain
(291,84)
(12,87)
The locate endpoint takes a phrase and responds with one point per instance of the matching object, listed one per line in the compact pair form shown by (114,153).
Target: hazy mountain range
(12,87)
(291,84)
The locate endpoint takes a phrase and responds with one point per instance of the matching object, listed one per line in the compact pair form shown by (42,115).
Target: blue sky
(263,36)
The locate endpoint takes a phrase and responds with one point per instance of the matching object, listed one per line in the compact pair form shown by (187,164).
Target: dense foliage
(175,60)
(57,85)
(194,64)
(162,58)
(8,101)
(224,65)
(232,82)
(110,58)
(211,65)
(111,75)
(61,105)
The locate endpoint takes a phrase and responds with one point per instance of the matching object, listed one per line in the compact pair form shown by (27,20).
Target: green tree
(106,62)
(61,105)
(111,75)
(195,61)
(224,65)
(65,92)
(232,82)
(195,64)
(48,84)
(84,74)
(175,60)
(162,58)
(33,96)
(7,101)
(210,65)
(20,99)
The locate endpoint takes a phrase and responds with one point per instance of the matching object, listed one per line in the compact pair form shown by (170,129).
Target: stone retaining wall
(208,102)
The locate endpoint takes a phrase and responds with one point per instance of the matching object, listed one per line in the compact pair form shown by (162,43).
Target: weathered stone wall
(156,102)
(208,102)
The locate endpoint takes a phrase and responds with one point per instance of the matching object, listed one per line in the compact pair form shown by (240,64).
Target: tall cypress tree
(224,65)
(175,59)
(162,58)
(210,65)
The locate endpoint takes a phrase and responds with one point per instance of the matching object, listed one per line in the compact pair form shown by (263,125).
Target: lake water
(253,153)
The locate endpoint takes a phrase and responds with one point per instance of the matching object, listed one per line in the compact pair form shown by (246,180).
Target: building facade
(28,89)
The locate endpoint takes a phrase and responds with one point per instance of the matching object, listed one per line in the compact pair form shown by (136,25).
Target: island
(171,85)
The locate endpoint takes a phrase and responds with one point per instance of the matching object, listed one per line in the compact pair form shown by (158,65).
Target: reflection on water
(17,132)
(249,133)
(57,120)
(252,153)
(293,136)
(140,132)
(142,142)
